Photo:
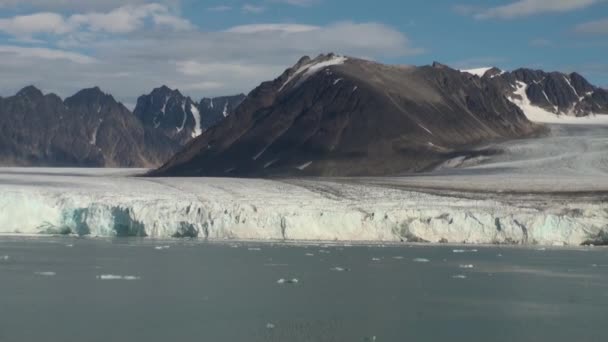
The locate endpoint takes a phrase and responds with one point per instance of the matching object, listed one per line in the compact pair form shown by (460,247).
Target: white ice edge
(265,210)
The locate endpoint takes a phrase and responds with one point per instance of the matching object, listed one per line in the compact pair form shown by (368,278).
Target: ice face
(108,203)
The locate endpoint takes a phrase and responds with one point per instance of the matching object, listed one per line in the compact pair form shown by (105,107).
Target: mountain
(214,110)
(178,117)
(170,112)
(555,92)
(88,129)
(339,116)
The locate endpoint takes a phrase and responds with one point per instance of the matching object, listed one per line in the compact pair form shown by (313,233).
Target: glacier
(107,203)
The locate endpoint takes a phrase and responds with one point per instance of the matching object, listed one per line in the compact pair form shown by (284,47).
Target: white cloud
(124,19)
(594,27)
(201,63)
(44,53)
(284,28)
(28,25)
(78,5)
(523,8)
(300,3)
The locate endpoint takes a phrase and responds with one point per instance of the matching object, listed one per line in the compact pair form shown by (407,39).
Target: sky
(222,47)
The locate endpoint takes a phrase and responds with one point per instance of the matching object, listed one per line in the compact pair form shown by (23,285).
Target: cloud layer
(130,49)
(524,8)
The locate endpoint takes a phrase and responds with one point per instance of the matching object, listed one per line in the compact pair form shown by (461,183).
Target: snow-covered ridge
(110,205)
(538,114)
(477,71)
(309,69)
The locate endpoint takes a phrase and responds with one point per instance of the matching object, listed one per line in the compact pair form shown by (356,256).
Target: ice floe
(422,260)
(340,269)
(288,281)
(117,277)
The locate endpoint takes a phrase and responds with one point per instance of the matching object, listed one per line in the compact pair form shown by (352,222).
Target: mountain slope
(342,116)
(214,110)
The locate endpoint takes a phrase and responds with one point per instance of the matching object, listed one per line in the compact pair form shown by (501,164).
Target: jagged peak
(30,91)
(166,91)
(90,95)
(438,65)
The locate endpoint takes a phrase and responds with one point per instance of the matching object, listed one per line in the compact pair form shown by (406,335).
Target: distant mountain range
(555,92)
(92,129)
(327,116)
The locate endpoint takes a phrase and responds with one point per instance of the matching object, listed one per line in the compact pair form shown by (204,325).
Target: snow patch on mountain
(538,114)
(477,71)
(197,120)
(311,68)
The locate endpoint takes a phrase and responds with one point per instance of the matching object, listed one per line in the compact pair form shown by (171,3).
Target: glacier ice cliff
(110,204)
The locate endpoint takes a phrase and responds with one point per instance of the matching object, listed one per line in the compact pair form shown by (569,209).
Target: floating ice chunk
(464,251)
(421,260)
(309,254)
(288,281)
(467,266)
(459,276)
(542,249)
(69,245)
(340,269)
(160,248)
(117,277)
(254,249)
(376,259)
(398,257)
(324,251)
(270,326)
(4,258)
(46,273)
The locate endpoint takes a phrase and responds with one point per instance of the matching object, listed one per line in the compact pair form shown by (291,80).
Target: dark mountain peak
(90,97)
(168,112)
(438,65)
(166,91)
(493,72)
(303,60)
(30,92)
(579,83)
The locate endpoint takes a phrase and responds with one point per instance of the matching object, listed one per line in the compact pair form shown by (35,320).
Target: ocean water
(65,289)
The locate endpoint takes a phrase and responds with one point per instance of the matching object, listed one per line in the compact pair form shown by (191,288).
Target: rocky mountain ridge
(92,129)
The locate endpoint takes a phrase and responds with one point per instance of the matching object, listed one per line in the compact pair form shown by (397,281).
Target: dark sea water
(51,290)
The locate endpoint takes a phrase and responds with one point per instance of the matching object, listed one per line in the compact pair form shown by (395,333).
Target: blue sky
(226,46)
